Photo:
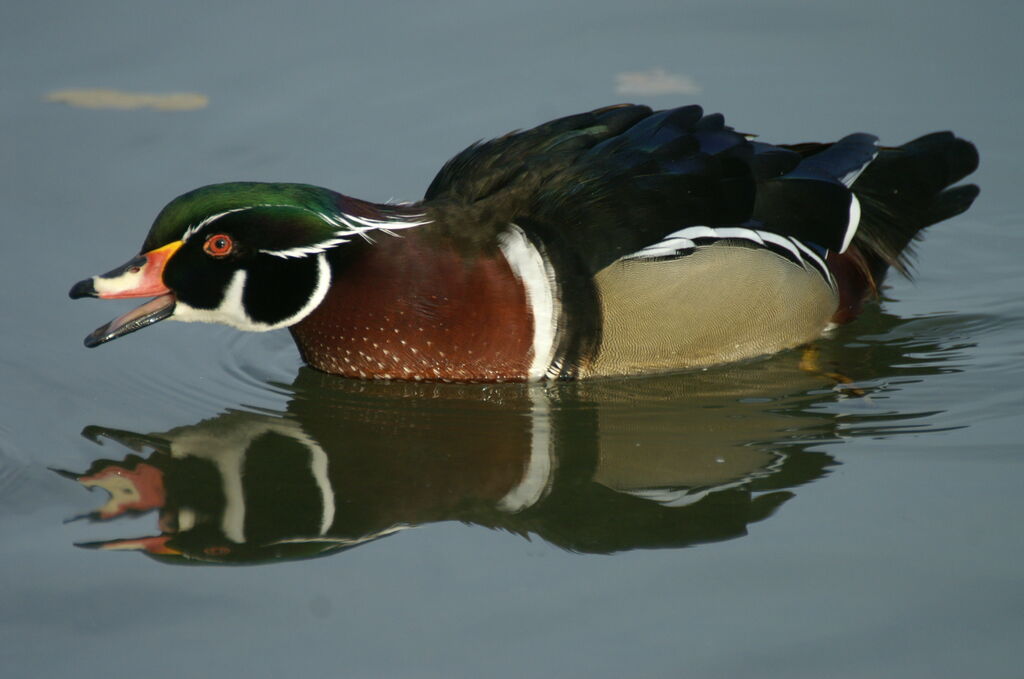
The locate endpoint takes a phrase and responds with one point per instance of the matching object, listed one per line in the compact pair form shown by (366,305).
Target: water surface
(851,510)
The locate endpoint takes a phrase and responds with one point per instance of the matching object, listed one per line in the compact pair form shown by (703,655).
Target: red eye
(219,245)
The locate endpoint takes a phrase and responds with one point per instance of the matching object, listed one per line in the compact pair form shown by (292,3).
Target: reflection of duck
(596,466)
(593,467)
(620,241)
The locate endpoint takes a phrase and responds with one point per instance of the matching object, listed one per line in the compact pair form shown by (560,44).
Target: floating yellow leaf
(653,82)
(115,99)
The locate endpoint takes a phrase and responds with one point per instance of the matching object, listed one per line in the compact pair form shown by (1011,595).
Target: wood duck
(622,241)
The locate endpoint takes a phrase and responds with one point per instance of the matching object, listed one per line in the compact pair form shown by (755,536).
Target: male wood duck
(622,241)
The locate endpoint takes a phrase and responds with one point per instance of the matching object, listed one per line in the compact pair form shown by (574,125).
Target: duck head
(248,255)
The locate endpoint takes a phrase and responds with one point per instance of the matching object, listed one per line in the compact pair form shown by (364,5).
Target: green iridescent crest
(286,216)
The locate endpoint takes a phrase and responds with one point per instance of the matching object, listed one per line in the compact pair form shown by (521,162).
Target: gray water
(857,520)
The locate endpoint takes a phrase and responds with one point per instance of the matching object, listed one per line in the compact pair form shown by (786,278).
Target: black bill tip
(97,337)
(83,289)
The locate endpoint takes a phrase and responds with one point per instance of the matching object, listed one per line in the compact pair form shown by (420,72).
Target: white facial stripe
(530,267)
(323,284)
(232,312)
(212,218)
(349,226)
(186,519)
(306,251)
(232,520)
(228,448)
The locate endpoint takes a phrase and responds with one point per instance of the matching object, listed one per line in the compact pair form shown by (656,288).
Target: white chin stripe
(232,312)
(227,448)
(538,279)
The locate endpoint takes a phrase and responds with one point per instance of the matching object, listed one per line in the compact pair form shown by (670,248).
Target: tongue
(152,311)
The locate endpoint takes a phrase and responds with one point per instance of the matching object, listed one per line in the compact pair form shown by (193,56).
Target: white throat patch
(232,312)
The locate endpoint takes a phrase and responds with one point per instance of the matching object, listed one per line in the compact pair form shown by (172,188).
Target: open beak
(139,277)
(156,544)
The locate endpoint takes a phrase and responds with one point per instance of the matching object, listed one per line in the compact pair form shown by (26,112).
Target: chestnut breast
(409,308)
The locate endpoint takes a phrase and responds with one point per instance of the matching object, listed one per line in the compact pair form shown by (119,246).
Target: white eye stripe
(347,225)
(209,220)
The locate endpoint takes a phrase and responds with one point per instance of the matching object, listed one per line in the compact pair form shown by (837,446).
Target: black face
(226,268)
(199,275)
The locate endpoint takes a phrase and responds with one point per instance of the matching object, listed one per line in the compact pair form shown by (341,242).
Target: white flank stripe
(809,253)
(736,232)
(536,477)
(673,243)
(530,267)
(683,240)
(782,242)
(679,243)
(694,232)
(681,497)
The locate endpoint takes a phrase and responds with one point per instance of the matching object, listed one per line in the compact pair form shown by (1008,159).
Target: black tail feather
(906,189)
(950,203)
